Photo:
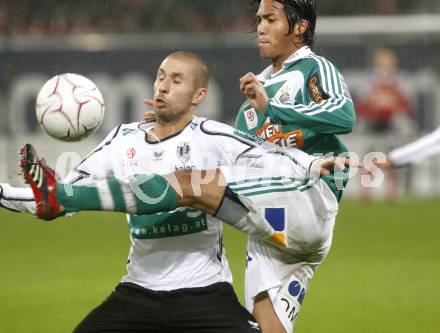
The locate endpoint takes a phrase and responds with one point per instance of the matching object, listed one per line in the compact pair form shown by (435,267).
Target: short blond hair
(201,79)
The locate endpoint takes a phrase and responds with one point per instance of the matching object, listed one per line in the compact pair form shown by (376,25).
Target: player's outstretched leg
(144,195)
(140,194)
(41,178)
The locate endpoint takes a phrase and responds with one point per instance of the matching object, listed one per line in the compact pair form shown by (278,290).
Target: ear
(199,96)
(300,28)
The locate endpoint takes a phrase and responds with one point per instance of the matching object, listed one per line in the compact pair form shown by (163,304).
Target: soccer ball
(69,107)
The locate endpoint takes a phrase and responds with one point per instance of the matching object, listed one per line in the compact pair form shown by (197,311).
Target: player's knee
(312,235)
(315,240)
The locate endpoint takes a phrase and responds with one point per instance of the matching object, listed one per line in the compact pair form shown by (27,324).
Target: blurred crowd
(22,17)
(119,16)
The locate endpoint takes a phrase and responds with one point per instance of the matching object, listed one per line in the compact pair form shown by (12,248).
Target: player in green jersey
(300,100)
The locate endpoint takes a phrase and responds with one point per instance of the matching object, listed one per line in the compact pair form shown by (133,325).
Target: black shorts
(131,308)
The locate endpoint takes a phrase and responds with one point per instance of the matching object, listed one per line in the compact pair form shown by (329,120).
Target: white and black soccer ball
(69,107)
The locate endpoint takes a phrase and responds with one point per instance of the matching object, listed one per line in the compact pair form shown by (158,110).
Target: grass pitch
(382,275)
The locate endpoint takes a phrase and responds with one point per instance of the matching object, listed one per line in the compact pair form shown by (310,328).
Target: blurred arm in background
(413,152)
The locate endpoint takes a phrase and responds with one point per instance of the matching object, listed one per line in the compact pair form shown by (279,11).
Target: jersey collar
(302,53)
(148,127)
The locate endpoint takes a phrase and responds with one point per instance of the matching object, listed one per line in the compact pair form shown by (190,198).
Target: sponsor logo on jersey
(275,133)
(315,90)
(184,167)
(183,152)
(251,118)
(182,221)
(292,295)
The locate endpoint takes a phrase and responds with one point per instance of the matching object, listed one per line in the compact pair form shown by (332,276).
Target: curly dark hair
(297,10)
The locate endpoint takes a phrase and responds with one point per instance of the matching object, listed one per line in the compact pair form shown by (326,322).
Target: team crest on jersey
(315,90)
(183,152)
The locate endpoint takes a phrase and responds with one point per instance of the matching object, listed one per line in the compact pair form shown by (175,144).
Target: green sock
(141,195)
(76,198)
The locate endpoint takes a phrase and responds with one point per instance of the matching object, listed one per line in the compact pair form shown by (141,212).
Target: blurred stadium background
(383,274)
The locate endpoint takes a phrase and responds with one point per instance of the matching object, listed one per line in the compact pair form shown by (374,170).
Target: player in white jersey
(178,276)
(303,211)
(414,152)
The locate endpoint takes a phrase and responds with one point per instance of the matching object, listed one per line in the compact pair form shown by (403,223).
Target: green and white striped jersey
(309,106)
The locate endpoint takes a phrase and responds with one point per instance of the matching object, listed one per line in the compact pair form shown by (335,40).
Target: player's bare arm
(384,164)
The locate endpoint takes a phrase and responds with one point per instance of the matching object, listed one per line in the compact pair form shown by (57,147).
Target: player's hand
(383,165)
(149,116)
(329,164)
(254,91)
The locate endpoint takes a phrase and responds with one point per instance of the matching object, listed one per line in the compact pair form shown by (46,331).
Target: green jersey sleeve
(327,105)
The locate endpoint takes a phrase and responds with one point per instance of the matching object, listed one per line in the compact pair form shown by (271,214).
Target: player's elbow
(348,121)
(351,123)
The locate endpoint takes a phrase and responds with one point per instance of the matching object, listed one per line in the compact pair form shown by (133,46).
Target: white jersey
(416,151)
(183,248)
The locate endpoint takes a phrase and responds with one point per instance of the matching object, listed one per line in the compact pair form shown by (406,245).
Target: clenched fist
(254,91)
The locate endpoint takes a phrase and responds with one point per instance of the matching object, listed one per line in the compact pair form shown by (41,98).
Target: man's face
(273,39)
(174,89)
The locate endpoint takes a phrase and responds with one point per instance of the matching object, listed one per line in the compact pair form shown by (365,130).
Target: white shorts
(306,215)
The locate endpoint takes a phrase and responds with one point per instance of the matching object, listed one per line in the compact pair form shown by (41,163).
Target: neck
(163,129)
(277,64)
